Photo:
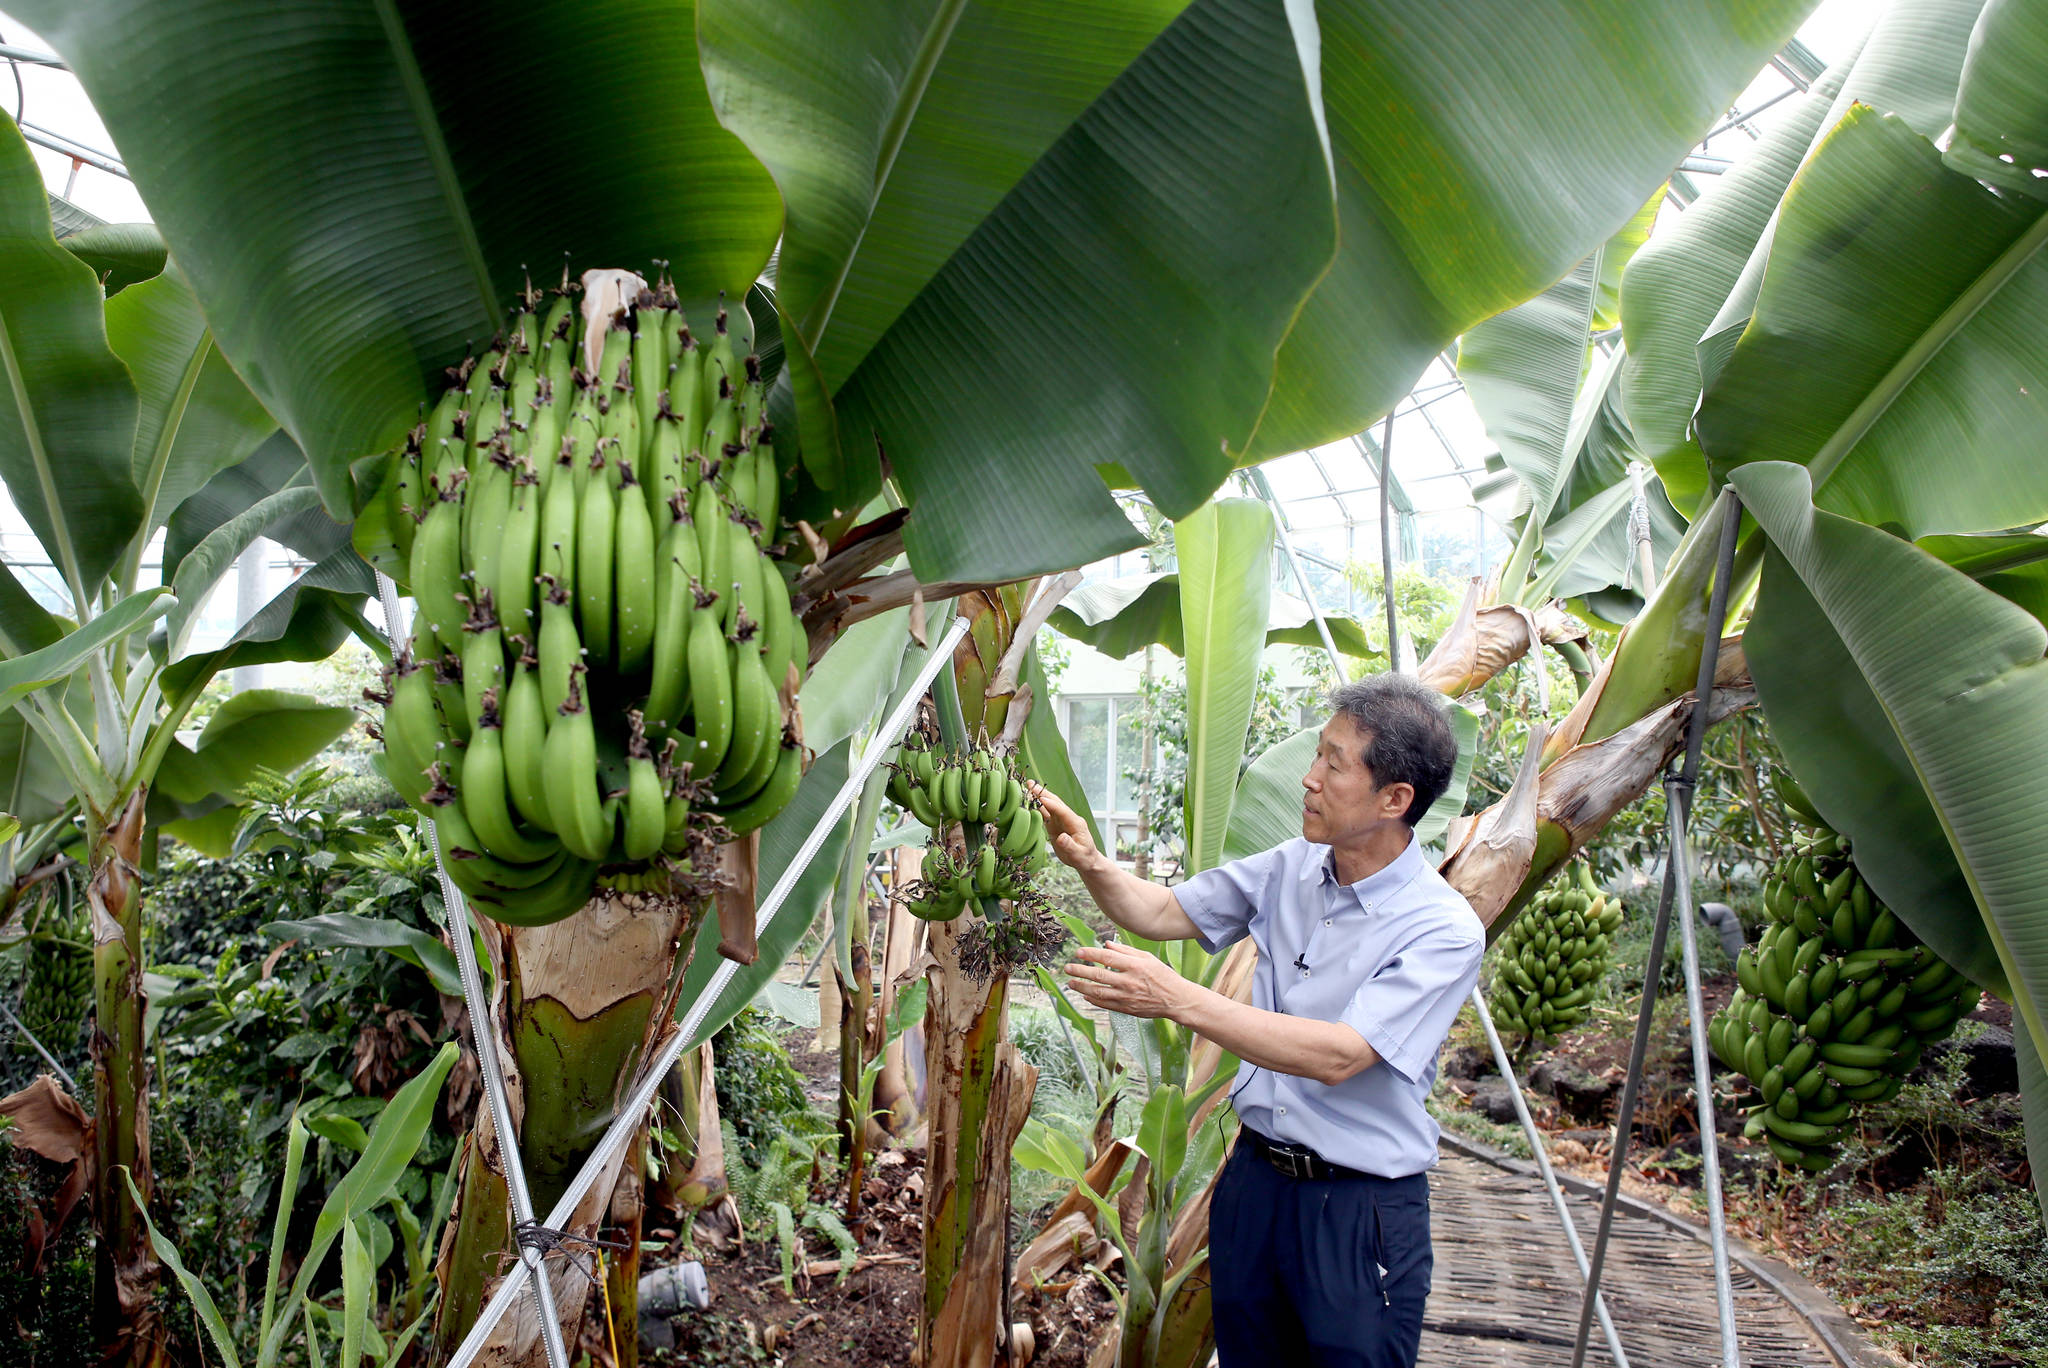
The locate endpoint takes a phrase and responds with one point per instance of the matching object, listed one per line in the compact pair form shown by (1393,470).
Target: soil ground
(869,1319)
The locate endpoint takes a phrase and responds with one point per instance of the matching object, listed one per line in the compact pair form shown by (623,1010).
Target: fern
(827,1223)
(785,1235)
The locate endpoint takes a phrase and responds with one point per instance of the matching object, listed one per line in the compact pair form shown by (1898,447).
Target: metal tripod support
(461,936)
(1678,791)
(626,1120)
(1500,1054)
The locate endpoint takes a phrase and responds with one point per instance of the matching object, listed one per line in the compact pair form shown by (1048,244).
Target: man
(1319,1226)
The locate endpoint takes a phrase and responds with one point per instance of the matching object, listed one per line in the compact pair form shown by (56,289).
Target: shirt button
(1304,973)
(1326,921)
(1283,1111)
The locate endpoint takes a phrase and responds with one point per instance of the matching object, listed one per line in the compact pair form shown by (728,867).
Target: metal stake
(1676,808)
(1550,1183)
(460,932)
(1387,539)
(48,1058)
(626,1120)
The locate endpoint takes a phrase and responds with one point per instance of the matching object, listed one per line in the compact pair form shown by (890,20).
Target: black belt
(1299,1161)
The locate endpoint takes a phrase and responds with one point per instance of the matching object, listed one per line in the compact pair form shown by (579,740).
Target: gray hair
(1408,738)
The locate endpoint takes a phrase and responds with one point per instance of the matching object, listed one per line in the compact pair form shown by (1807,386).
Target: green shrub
(760,1093)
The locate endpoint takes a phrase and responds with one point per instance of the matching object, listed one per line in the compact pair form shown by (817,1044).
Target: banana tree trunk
(981,1085)
(856,1000)
(125,1274)
(577,1005)
(896,1103)
(980,1096)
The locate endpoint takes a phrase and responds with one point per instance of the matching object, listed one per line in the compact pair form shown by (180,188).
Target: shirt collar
(1374,889)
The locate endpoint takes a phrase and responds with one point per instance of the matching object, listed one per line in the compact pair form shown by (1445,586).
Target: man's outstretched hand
(1120,979)
(1069,835)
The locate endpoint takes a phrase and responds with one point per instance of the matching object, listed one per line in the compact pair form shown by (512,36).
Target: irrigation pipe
(461,936)
(627,1119)
(1678,790)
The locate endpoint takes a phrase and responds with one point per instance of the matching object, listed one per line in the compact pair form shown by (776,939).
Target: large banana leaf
(1907,66)
(2001,121)
(307,620)
(1225,551)
(358,187)
(67,409)
(1899,346)
(1121,617)
(1960,683)
(268,727)
(36,670)
(1551,401)
(1446,222)
(1044,748)
(276,465)
(197,418)
(1676,284)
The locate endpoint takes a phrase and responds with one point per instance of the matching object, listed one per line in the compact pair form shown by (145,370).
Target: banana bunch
(1004,827)
(603,647)
(1552,957)
(1837,1001)
(56,990)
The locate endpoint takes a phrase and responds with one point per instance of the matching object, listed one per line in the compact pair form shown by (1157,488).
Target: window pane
(1088,747)
(1128,753)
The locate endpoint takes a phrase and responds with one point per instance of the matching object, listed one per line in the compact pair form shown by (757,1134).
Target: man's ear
(1397,798)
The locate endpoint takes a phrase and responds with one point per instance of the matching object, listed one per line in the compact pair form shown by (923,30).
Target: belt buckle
(1301,1164)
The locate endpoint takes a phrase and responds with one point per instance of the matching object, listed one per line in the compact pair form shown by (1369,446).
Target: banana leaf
(2001,119)
(1225,550)
(272,728)
(1121,617)
(1044,748)
(1925,413)
(357,189)
(67,419)
(1958,683)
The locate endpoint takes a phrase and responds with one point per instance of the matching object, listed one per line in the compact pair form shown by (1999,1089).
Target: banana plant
(1125,273)
(123,420)
(1898,623)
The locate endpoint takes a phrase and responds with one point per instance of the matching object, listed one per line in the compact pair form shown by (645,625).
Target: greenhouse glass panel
(1088,747)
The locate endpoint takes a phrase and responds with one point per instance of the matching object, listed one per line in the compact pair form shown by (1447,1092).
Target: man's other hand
(1069,835)
(1120,979)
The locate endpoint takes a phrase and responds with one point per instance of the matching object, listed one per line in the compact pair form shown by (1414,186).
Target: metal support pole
(627,1119)
(1678,815)
(48,1058)
(462,937)
(1550,1184)
(1386,541)
(1301,577)
(1696,734)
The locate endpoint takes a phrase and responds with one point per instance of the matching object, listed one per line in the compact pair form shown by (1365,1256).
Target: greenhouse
(1130,686)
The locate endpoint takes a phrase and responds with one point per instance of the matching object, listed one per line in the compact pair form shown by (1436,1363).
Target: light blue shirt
(1393,956)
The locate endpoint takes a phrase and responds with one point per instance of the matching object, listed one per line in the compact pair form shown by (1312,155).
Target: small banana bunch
(603,647)
(1837,1001)
(985,794)
(1551,959)
(56,991)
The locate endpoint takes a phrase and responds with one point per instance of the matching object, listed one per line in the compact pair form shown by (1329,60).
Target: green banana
(573,798)
(596,520)
(484,793)
(773,797)
(633,591)
(526,734)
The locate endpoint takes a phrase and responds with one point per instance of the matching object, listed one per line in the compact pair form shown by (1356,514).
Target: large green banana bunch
(1549,963)
(603,647)
(1837,1001)
(1003,827)
(56,990)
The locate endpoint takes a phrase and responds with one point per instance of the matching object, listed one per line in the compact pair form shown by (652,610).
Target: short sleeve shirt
(1393,956)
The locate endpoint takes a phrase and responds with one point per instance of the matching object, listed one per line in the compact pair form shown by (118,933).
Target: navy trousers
(1295,1267)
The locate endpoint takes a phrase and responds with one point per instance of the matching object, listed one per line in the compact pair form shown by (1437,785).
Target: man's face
(1342,802)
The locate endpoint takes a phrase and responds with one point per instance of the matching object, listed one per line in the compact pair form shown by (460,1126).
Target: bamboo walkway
(1506,1291)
